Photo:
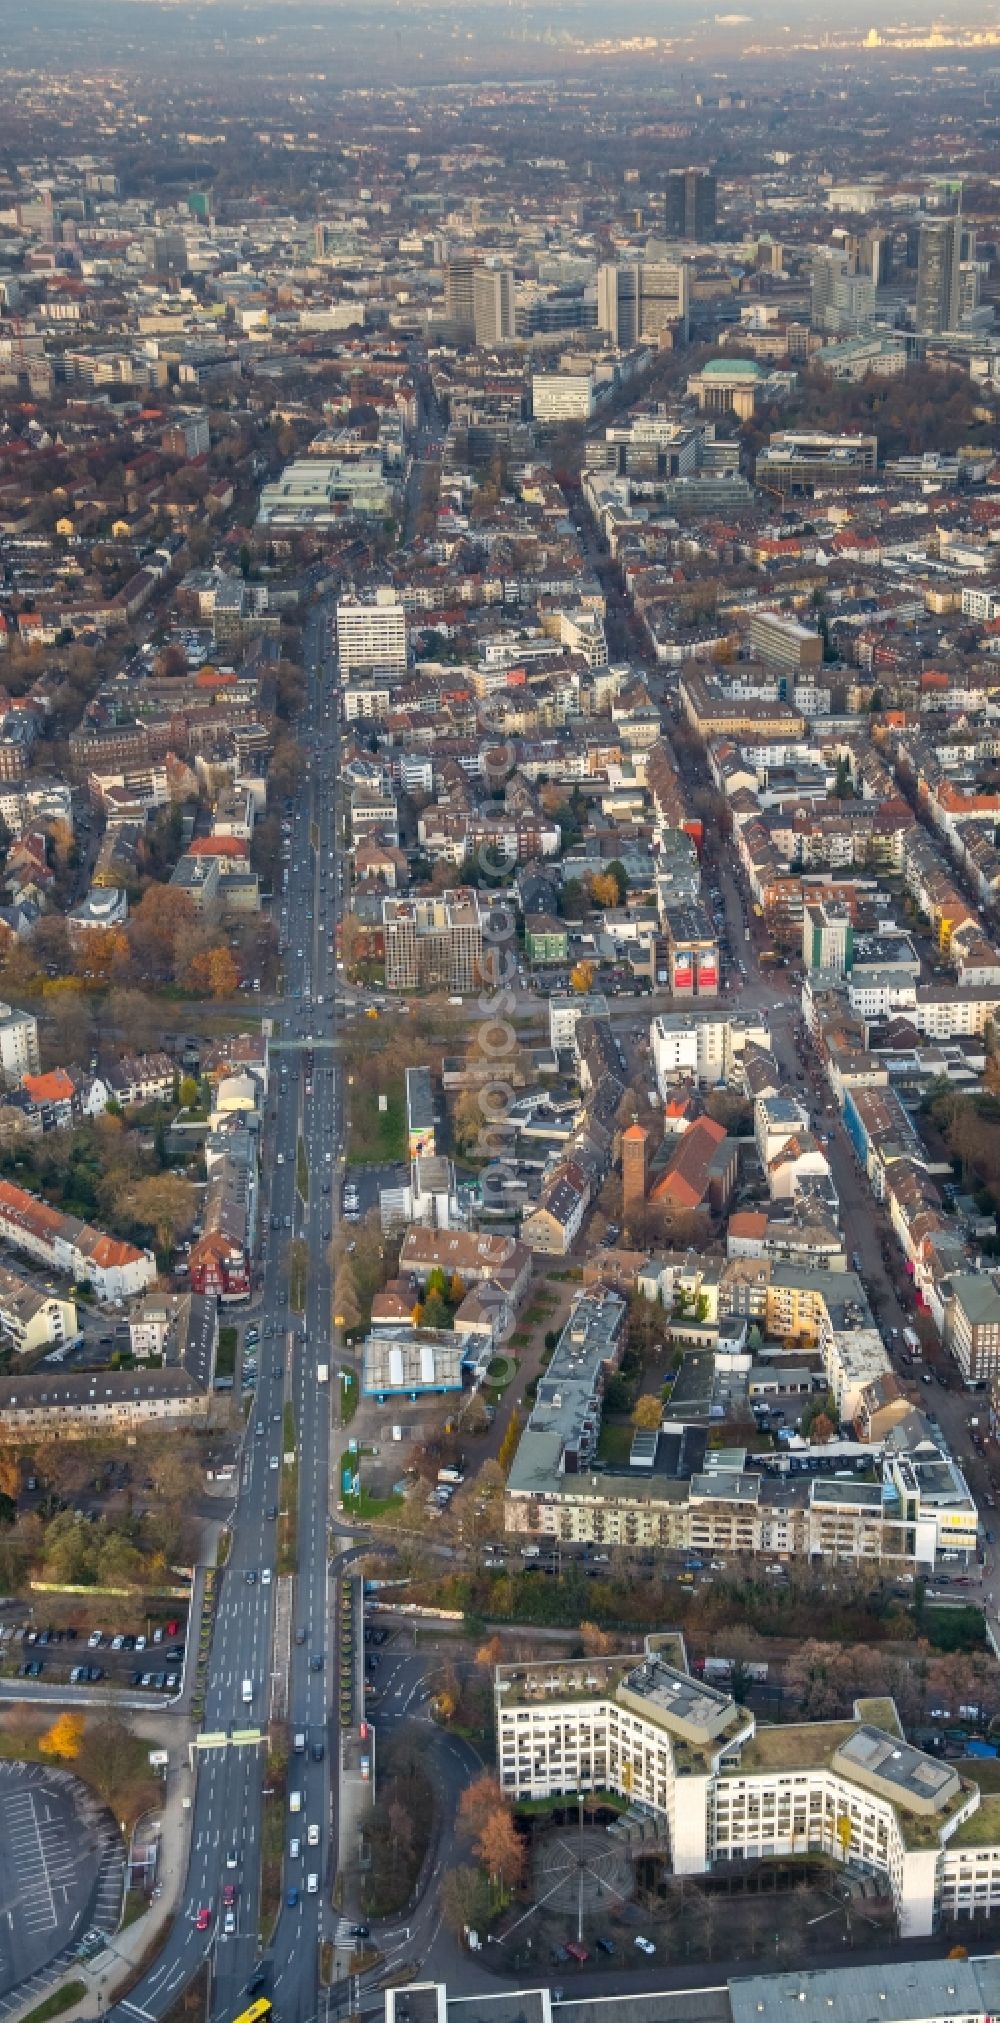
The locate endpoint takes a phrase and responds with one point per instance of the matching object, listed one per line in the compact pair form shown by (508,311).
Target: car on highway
(316,1662)
(203,1918)
(291,1898)
(312,1884)
(294,1848)
(229,1924)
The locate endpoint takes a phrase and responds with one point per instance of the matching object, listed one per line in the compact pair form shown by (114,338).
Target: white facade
(688,1048)
(371,635)
(18,1044)
(562,396)
(727,1791)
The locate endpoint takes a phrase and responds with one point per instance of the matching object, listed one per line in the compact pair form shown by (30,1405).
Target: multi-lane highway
(303,1103)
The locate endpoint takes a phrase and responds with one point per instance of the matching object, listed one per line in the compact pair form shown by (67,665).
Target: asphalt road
(230,1797)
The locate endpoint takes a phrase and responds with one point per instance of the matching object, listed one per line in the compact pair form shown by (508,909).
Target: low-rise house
(476,1257)
(136,1079)
(52,1097)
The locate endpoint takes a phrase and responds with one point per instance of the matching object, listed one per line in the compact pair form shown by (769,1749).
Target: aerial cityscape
(499,1013)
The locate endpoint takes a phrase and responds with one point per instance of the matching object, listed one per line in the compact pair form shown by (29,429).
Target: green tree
(436,1313)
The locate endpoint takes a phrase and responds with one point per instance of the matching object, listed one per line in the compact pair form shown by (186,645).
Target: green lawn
(376,1137)
(302,1170)
(615,1443)
(298,1264)
(364,1505)
(56,2003)
(501,1372)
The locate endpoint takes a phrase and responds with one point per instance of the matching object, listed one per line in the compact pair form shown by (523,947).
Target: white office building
(728,1791)
(371,634)
(562,396)
(688,1048)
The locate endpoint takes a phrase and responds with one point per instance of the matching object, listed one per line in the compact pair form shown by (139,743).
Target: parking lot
(61,1871)
(152,1658)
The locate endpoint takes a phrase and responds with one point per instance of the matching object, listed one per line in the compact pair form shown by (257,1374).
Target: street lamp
(579,1891)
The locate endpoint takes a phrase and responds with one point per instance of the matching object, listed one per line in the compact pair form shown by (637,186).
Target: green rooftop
(983,1829)
(879,1713)
(744,368)
(803,1745)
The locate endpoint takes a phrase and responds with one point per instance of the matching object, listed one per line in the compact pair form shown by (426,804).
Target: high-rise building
(663,297)
(187,434)
(875,257)
(938,275)
(690,204)
(641,298)
(459,292)
(493,305)
(433,943)
(843,301)
(371,635)
(169,252)
(968,289)
(617,289)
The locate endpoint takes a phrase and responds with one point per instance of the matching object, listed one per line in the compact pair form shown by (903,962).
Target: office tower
(641,298)
(493,305)
(843,302)
(371,634)
(938,275)
(617,302)
(690,204)
(663,298)
(434,943)
(875,257)
(459,293)
(169,253)
(829,265)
